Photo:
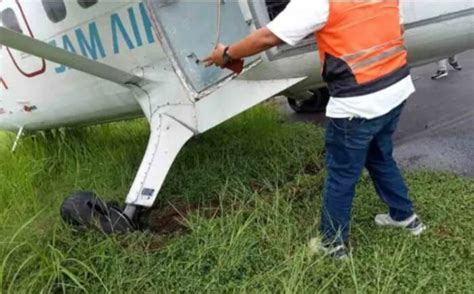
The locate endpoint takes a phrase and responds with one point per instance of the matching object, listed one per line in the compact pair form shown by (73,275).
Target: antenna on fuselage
(17,139)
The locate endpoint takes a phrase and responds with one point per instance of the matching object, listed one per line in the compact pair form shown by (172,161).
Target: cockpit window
(55,9)
(10,21)
(87,3)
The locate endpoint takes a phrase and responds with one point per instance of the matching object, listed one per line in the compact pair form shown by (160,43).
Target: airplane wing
(44,50)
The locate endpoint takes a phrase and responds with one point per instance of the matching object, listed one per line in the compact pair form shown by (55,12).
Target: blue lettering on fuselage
(136,31)
(117,26)
(67,45)
(124,36)
(89,49)
(147,24)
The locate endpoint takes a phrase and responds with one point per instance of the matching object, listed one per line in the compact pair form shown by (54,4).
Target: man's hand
(217,56)
(258,41)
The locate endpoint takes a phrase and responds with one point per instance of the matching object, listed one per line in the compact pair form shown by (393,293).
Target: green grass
(263,177)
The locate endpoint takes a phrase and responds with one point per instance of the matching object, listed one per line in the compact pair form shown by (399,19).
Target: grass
(262,177)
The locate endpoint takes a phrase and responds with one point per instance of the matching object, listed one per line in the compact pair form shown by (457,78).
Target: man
(443,67)
(362,49)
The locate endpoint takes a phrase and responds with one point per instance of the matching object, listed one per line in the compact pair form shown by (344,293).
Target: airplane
(84,62)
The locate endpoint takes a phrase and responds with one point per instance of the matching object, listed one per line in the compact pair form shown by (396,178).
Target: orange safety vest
(361,47)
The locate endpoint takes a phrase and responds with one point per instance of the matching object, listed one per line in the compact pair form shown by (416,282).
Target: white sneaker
(439,74)
(335,251)
(413,224)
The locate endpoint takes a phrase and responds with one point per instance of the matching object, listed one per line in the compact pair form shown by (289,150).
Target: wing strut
(47,51)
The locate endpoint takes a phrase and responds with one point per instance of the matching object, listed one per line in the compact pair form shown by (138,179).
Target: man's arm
(299,19)
(258,41)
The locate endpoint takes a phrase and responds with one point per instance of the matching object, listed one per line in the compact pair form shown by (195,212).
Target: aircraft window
(55,9)
(10,21)
(87,3)
(274,7)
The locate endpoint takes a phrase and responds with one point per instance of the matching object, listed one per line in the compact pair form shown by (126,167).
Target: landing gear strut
(174,118)
(86,210)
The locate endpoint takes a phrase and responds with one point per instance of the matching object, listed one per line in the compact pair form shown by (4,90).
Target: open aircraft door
(188,31)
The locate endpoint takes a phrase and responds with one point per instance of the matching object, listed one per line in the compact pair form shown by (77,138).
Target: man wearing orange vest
(362,50)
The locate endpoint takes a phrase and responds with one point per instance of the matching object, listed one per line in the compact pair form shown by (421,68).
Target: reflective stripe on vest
(381,56)
(362,47)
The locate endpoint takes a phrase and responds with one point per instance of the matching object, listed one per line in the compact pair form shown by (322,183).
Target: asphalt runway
(436,131)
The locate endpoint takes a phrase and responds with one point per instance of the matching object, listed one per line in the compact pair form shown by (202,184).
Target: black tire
(85,210)
(317,103)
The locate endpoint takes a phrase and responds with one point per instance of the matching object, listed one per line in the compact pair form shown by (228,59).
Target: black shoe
(455,65)
(439,74)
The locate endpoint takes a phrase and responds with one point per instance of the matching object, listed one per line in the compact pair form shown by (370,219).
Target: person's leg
(442,65)
(389,182)
(453,62)
(347,142)
(384,172)
(442,70)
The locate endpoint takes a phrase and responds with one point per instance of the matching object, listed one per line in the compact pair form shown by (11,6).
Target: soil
(171,218)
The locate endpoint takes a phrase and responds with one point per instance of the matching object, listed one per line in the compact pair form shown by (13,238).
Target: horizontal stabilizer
(44,50)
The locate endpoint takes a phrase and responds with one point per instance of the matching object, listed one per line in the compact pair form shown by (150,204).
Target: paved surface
(437,127)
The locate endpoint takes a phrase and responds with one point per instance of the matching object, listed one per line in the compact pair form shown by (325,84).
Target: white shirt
(302,18)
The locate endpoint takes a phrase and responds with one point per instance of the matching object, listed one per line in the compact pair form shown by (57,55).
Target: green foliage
(262,175)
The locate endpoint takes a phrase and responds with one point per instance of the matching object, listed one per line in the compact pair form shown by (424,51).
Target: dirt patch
(171,218)
(312,168)
(257,186)
(443,232)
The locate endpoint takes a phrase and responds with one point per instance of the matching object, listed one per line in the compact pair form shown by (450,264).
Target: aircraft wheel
(317,102)
(85,210)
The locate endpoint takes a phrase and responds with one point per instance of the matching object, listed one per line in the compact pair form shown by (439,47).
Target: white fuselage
(38,94)
(66,97)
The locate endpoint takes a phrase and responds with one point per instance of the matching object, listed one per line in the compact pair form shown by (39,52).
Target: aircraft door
(13,17)
(189,30)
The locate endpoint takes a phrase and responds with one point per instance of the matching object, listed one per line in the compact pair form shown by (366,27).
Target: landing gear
(173,120)
(85,210)
(317,101)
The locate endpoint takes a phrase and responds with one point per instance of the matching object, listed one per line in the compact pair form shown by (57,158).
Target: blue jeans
(351,145)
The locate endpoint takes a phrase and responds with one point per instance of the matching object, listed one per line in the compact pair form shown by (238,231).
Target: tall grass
(262,178)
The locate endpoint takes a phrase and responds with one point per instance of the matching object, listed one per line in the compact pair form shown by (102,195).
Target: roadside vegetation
(235,215)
